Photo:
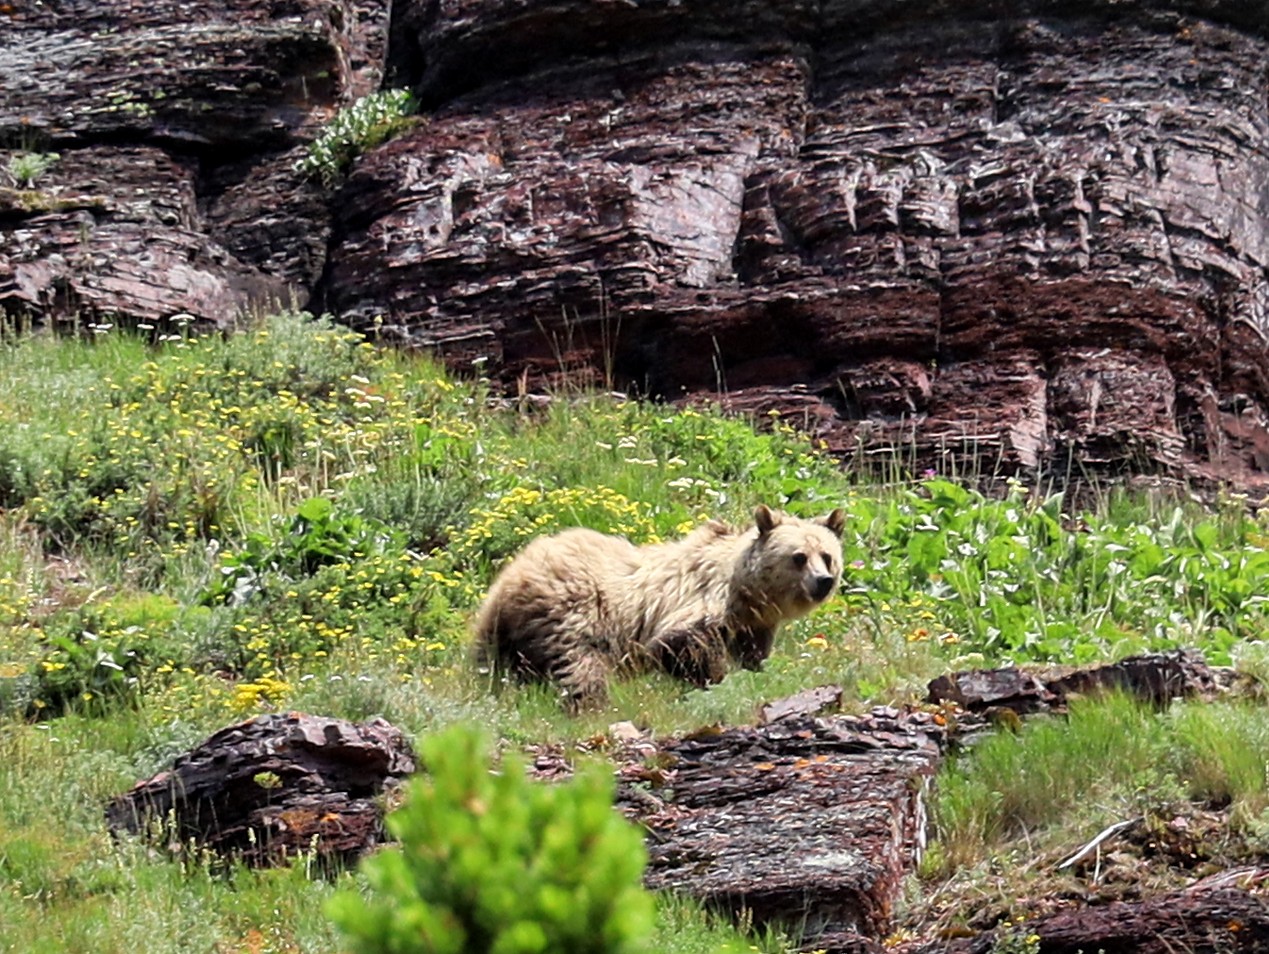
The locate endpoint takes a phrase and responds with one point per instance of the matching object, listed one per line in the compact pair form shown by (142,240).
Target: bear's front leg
(697,654)
(751,647)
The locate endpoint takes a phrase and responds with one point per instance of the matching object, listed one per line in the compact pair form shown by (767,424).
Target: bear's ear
(765,519)
(835,521)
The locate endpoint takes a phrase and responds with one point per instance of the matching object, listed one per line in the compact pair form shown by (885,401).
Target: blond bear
(578,607)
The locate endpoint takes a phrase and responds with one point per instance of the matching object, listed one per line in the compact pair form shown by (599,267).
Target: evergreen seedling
(498,864)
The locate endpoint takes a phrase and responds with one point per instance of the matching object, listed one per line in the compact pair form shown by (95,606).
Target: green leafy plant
(316,536)
(329,580)
(16,479)
(94,656)
(498,864)
(371,120)
(422,506)
(1012,939)
(1008,577)
(25,168)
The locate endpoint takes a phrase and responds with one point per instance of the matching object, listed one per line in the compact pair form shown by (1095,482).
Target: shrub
(16,480)
(496,863)
(508,523)
(93,656)
(332,581)
(315,537)
(387,607)
(25,168)
(421,506)
(371,120)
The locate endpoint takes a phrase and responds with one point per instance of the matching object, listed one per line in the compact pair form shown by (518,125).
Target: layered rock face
(982,236)
(177,125)
(1033,241)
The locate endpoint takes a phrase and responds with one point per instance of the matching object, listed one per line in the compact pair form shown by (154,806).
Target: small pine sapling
(498,864)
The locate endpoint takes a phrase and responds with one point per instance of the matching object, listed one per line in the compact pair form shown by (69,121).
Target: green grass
(1052,774)
(65,885)
(1182,793)
(1221,755)
(195,532)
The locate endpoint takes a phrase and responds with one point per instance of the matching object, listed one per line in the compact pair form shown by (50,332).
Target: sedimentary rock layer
(177,127)
(986,236)
(1022,238)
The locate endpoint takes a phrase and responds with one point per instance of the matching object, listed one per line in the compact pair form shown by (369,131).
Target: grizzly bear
(579,606)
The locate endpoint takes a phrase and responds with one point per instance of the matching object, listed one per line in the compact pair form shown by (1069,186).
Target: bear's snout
(821,586)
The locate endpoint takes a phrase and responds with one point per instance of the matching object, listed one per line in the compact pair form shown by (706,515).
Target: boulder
(273,788)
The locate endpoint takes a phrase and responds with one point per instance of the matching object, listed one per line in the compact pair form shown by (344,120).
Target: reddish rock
(1027,242)
(274,787)
(800,705)
(987,238)
(1222,914)
(231,75)
(1155,678)
(177,127)
(806,822)
(115,235)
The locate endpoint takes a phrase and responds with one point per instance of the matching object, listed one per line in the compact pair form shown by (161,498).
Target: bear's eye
(828,562)
(799,560)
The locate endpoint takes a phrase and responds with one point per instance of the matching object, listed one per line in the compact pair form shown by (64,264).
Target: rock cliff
(991,235)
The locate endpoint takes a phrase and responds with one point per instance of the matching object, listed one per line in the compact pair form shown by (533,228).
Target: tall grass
(1113,759)
(65,885)
(1223,755)
(1047,775)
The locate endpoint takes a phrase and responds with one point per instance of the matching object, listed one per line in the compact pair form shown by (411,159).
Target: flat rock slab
(808,822)
(815,822)
(808,702)
(1155,678)
(1224,914)
(272,787)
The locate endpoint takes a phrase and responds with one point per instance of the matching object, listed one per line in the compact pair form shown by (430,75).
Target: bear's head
(794,564)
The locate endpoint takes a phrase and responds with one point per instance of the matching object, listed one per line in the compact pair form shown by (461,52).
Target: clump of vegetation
(1007,577)
(315,537)
(369,122)
(91,659)
(1015,785)
(1039,783)
(26,168)
(1117,797)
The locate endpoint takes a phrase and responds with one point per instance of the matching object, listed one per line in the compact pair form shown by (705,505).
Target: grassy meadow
(197,530)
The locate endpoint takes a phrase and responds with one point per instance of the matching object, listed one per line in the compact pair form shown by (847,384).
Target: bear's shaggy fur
(578,606)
